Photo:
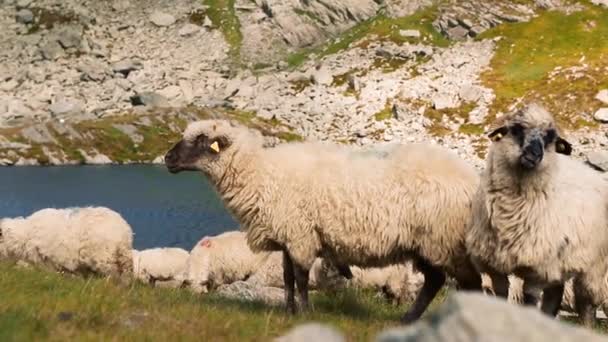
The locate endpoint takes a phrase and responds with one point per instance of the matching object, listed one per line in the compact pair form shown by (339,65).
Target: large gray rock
(322,76)
(162,19)
(468,317)
(599,159)
(600,2)
(602,95)
(63,106)
(150,99)
(310,332)
(69,37)
(409,33)
(126,66)
(601,115)
(51,50)
(241,290)
(188,30)
(24,16)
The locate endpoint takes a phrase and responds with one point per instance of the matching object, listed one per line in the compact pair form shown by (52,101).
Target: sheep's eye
(549,137)
(517,130)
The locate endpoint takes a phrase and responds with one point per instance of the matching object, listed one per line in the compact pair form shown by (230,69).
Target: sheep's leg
(301,275)
(434,278)
(552,299)
(500,283)
(529,298)
(289,280)
(344,270)
(584,303)
(468,278)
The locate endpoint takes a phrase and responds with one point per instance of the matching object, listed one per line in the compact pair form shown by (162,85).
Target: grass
(386,112)
(223,16)
(379,27)
(528,52)
(37,304)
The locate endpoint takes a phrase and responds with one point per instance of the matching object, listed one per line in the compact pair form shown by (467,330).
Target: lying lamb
(312,200)
(93,240)
(541,215)
(164,267)
(226,258)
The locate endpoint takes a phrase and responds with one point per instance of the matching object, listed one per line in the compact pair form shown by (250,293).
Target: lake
(163,209)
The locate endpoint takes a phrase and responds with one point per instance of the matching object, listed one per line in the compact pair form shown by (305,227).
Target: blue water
(164,210)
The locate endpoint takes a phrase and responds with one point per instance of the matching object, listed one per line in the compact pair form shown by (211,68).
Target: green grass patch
(386,112)
(379,27)
(528,52)
(223,16)
(41,305)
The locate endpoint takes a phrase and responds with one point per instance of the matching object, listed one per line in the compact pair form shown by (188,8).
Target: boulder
(309,332)
(24,16)
(601,115)
(470,316)
(241,290)
(602,96)
(599,160)
(162,19)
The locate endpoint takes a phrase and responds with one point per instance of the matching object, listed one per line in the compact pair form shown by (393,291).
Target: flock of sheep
(98,241)
(533,227)
(534,220)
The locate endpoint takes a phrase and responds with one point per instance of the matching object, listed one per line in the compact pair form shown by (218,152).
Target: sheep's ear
(498,133)
(562,146)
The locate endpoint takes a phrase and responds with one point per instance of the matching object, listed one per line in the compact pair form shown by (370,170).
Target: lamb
(91,240)
(541,215)
(397,282)
(221,259)
(226,258)
(312,200)
(163,267)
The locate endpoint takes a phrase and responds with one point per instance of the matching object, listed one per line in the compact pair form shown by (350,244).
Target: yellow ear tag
(497,137)
(215,146)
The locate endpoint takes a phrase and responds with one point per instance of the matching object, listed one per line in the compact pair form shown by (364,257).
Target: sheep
(221,259)
(226,258)
(87,240)
(540,215)
(397,282)
(312,200)
(163,267)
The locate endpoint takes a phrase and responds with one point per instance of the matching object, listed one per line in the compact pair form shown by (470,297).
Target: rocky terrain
(116,81)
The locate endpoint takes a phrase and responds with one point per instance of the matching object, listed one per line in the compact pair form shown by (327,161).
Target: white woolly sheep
(226,258)
(400,283)
(314,200)
(163,267)
(540,214)
(221,259)
(77,240)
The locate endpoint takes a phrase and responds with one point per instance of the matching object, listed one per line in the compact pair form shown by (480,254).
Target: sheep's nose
(170,157)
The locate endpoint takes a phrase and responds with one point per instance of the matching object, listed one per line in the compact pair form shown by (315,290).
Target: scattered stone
(126,66)
(6,162)
(188,30)
(599,160)
(149,99)
(207,23)
(23,4)
(457,33)
(444,101)
(38,134)
(171,92)
(25,16)
(69,37)
(602,95)
(64,106)
(9,85)
(92,71)
(601,115)
(162,19)
(98,159)
(600,2)
(26,162)
(353,83)
(51,50)
(186,88)
(130,131)
(160,160)
(470,93)
(309,332)
(250,292)
(410,33)
(322,76)
(478,317)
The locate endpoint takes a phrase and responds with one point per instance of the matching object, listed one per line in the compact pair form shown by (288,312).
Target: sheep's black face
(188,155)
(532,142)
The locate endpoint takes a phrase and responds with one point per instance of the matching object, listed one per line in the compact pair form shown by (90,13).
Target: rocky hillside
(115,81)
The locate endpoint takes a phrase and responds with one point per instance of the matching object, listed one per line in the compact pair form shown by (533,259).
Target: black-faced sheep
(540,214)
(314,200)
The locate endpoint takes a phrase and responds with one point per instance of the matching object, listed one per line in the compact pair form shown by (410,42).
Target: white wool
(77,240)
